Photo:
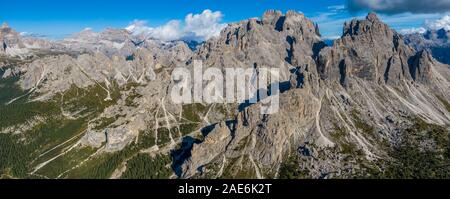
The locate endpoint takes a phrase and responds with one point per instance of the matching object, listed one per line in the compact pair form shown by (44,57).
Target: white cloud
(443,23)
(336,8)
(204,25)
(168,32)
(138,27)
(331,37)
(30,34)
(197,27)
(406,31)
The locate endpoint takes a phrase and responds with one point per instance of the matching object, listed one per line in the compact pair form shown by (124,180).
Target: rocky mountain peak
(372,17)
(441,35)
(5,29)
(291,20)
(437,41)
(370,25)
(85,35)
(371,50)
(271,17)
(291,13)
(420,66)
(116,35)
(10,40)
(289,39)
(5,25)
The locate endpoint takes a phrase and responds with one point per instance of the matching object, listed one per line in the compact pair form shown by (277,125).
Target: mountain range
(435,41)
(373,104)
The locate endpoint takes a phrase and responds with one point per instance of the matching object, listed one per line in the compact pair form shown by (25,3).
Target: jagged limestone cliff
(99,106)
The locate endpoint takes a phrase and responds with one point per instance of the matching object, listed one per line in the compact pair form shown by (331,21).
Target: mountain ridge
(435,41)
(347,111)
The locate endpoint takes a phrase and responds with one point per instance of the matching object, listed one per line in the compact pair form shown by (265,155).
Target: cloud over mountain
(442,23)
(198,27)
(400,6)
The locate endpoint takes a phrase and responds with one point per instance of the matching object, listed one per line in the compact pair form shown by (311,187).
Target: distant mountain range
(436,41)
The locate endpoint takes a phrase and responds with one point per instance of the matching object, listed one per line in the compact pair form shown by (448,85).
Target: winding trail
(38,167)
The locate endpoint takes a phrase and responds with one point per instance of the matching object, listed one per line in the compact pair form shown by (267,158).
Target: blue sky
(61,18)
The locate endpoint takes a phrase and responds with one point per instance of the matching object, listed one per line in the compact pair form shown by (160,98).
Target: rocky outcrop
(8,73)
(420,66)
(216,142)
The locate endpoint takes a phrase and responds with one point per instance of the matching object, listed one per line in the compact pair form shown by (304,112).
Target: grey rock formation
(283,41)
(216,142)
(340,105)
(7,73)
(368,75)
(11,42)
(62,71)
(369,50)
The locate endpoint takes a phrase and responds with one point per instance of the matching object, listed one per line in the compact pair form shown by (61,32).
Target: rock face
(215,143)
(10,41)
(283,41)
(347,91)
(369,50)
(342,107)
